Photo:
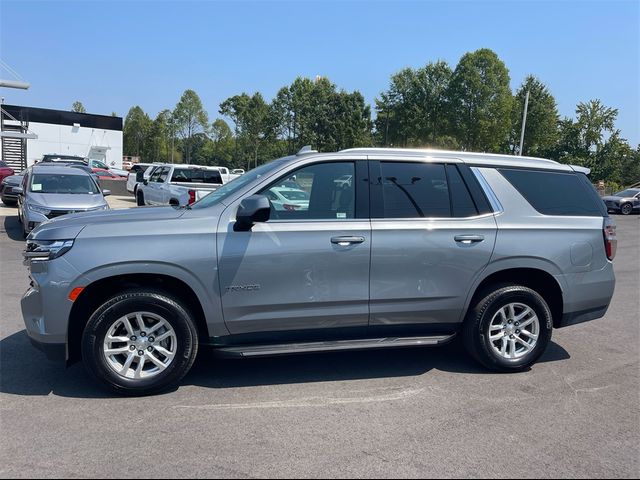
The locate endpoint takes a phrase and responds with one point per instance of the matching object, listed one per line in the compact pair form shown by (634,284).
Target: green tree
(412,112)
(480,102)
(541,131)
(190,118)
(78,107)
(136,133)
(223,144)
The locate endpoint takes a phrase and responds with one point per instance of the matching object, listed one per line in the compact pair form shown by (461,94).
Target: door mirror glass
(252,210)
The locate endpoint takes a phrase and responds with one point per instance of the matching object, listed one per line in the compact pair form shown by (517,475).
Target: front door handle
(346,241)
(469,239)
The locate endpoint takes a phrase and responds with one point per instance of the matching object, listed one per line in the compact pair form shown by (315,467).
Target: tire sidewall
(628,206)
(494,304)
(103,319)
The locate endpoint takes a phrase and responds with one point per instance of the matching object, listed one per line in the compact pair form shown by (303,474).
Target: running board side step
(333,346)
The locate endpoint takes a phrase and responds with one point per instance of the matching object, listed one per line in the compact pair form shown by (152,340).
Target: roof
(471,158)
(58,170)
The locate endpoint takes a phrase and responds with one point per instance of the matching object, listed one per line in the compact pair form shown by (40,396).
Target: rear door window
(414,190)
(194,175)
(557,193)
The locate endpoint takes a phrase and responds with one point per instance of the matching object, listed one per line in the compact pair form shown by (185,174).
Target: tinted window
(461,201)
(163,174)
(191,175)
(155,174)
(555,193)
(316,192)
(412,190)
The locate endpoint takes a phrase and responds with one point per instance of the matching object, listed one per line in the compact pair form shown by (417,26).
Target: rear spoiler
(579,169)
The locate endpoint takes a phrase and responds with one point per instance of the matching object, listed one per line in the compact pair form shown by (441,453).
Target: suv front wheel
(140,343)
(508,329)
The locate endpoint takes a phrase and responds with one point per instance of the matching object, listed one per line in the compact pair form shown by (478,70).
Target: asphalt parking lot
(403,413)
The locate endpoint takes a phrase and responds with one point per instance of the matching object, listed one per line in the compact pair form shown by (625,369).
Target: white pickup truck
(178,185)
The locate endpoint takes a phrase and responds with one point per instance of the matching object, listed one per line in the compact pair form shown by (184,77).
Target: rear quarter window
(557,193)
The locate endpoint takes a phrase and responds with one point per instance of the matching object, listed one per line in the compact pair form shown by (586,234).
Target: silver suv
(418,248)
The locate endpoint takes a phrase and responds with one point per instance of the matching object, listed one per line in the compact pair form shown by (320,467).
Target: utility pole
(524,122)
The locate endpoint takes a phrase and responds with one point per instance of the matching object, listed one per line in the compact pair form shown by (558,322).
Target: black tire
(476,327)
(174,203)
(140,199)
(626,209)
(155,302)
(9,203)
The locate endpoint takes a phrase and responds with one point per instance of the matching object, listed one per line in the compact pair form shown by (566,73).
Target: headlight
(38,209)
(46,249)
(97,209)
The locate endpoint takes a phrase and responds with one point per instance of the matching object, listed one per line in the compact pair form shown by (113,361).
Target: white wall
(69,140)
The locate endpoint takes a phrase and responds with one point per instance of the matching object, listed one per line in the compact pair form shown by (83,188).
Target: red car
(5,171)
(103,174)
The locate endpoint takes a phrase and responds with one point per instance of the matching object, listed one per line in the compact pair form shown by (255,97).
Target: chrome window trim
(491,196)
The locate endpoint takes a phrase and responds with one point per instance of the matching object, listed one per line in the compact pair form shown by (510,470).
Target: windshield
(65,184)
(232,187)
(627,193)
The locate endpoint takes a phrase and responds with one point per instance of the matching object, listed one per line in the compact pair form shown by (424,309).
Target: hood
(65,201)
(13,180)
(69,226)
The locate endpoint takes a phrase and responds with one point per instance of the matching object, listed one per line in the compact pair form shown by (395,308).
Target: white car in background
(291,199)
(139,173)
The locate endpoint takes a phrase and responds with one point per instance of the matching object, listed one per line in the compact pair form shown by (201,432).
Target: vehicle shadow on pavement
(13,228)
(25,371)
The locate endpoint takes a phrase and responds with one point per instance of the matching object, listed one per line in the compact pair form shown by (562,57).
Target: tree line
(470,107)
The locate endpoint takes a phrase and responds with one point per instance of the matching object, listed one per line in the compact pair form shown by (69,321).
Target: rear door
(433,232)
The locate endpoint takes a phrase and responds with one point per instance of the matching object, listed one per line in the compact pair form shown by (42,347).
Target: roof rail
(306,150)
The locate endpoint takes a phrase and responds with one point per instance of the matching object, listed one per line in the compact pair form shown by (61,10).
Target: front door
(431,238)
(307,268)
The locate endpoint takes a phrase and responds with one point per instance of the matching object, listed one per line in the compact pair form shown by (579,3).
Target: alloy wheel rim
(514,331)
(140,345)
(626,209)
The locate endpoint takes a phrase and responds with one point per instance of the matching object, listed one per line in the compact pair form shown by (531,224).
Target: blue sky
(112,55)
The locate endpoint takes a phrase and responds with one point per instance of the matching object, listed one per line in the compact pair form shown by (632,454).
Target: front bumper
(46,307)
(6,192)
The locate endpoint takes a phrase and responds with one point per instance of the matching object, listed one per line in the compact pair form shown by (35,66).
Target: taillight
(610,239)
(290,207)
(192,197)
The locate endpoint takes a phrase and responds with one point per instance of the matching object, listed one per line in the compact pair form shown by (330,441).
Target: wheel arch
(100,290)
(534,277)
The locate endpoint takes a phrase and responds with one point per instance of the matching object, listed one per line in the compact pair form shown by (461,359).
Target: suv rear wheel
(508,329)
(140,343)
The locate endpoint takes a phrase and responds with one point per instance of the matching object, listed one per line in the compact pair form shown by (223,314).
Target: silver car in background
(625,202)
(48,192)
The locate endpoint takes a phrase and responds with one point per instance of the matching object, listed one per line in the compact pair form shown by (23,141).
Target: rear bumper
(575,318)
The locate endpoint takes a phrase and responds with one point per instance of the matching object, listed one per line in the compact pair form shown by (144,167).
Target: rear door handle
(346,241)
(469,239)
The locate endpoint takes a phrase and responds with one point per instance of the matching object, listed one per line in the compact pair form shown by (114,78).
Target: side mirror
(140,176)
(18,190)
(146,181)
(106,193)
(252,210)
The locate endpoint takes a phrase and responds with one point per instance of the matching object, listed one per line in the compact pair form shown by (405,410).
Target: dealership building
(28,133)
